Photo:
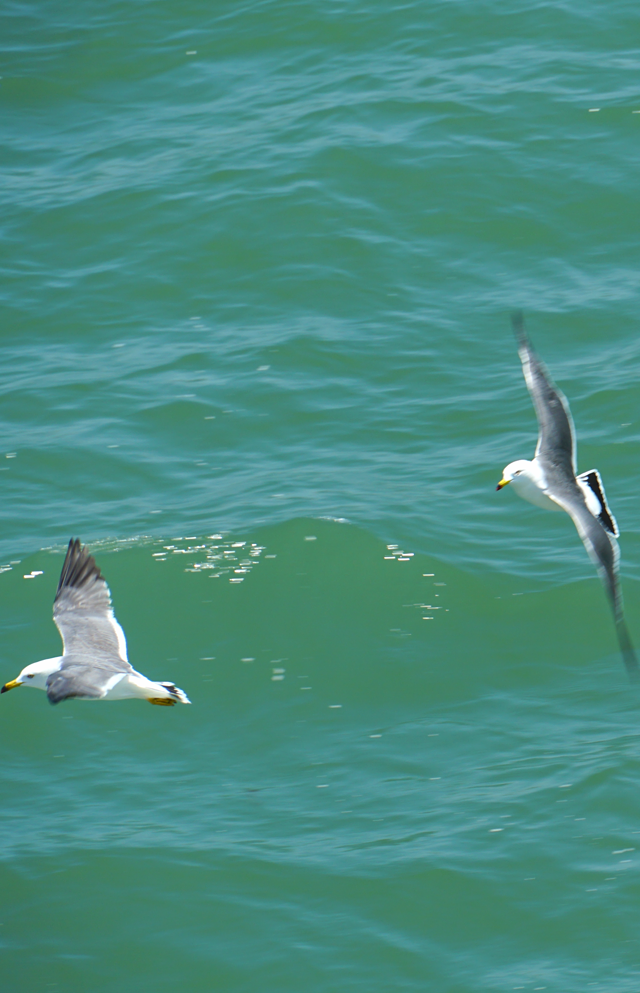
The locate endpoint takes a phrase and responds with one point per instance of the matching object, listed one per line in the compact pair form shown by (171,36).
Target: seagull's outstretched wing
(603,552)
(556,447)
(556,453)
(95,649)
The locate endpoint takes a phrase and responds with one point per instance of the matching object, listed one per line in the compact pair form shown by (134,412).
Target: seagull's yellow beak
(11,685)
(503,482)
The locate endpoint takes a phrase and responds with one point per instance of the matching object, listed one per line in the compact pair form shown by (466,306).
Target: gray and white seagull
(94,663)
(550,481)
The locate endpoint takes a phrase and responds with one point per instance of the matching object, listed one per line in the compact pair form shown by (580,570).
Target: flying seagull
(550,481)
(94,663)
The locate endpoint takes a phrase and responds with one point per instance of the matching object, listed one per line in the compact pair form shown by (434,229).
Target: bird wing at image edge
(602,549)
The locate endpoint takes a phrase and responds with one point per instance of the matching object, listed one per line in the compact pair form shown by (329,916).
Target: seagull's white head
(522,466)
(35,675)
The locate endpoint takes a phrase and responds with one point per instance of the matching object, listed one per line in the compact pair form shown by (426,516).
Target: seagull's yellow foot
(162,701)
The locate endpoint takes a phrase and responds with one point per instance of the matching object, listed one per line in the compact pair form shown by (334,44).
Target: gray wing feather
(603,552)
(77,679)
(556,447)
(95,649)
(602,548)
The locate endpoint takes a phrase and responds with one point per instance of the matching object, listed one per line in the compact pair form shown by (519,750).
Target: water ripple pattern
(258,264)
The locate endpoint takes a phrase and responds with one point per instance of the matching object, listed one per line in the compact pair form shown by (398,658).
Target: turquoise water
(258,263)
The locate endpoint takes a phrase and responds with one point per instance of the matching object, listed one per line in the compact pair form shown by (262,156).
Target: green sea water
(258,263)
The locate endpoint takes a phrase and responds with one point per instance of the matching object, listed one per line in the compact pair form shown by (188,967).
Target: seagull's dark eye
(30,675)
(517,472)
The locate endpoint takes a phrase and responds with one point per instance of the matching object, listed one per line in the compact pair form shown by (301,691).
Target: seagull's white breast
(530,484)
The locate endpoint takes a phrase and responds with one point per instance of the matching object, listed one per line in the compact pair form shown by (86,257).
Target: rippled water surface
(258,261)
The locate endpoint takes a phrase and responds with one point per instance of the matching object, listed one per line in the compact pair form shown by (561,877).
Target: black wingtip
(519,330)
(628,651)
(78,567)
(631,665)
